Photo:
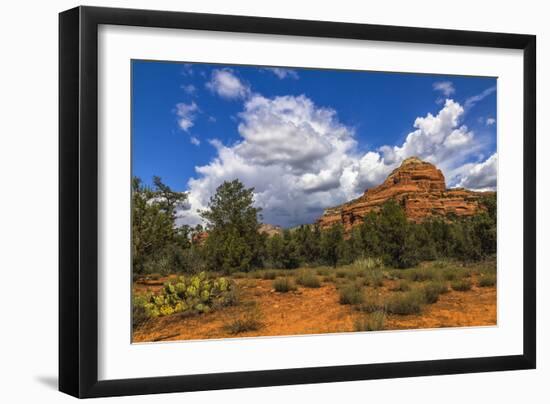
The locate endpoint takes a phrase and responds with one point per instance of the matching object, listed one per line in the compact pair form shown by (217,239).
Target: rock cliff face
(418,186)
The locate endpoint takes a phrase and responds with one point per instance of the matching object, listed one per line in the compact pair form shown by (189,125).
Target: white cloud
(471,101)
(490,121)
(187,70)
(481,176)
(195,141)
(227,85)
(301,159)
(445,87)
(283,73)
(186,115)
(189,89)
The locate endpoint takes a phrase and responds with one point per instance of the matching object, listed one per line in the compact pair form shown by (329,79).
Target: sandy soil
(314,311)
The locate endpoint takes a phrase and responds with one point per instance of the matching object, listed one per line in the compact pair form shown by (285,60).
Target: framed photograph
(252,202)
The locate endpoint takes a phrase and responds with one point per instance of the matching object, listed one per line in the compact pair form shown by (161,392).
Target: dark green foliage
(156,241)
(332,245)
(233,244)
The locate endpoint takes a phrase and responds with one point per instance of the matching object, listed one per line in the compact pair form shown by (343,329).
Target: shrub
(251,320)
(450,274)
(308,280)
(405,303)
(372,322)
(371,303)
(268,275)
(341,273)
(239,275)
(487,280)
(366,264)
(139,314)
(283,285)
(421,274)
(401,286)
(323,271)
(432,291)
(374,278)
(351,294)
(461,285)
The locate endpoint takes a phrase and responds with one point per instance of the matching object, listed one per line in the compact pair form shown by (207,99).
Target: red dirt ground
(314,311)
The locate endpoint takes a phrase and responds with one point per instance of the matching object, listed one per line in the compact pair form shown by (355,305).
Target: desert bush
(461,285)
(268,275)
(486,281)
(374,278)
(401,286)
(366,264)
(308,280)
(371,303)
(323,271)
(251,320)
(371,322)
(432,291)
(341,273)
(421,274)
(139,314)
(351,294)
(284,285)
(450,274)
(239,275)
(405,303)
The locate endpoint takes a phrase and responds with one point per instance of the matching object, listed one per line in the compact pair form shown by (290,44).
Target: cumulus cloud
(283,73)
(490,121)
(445,87)
(195,141)
(226,84)
(301,159)
(481,176)
(186,115)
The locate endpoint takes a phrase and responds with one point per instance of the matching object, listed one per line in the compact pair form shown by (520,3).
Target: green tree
(233,243)
(332,244)
(154,233)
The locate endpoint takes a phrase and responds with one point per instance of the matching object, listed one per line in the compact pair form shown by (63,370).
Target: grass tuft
(461,285)
(283,285)
(352,294)
(487,281)
(405,303)
(308,280)
(371,322)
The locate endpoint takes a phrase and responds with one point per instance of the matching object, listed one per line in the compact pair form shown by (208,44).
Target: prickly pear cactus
(199,293)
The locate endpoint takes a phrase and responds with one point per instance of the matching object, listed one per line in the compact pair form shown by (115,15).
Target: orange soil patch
(314,311)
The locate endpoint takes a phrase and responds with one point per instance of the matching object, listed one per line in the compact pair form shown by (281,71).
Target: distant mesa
(269,229)
(418,186)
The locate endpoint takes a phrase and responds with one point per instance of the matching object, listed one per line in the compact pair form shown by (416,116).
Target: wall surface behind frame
(28,209)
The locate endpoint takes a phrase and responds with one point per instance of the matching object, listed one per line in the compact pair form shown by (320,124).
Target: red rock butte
(419,187)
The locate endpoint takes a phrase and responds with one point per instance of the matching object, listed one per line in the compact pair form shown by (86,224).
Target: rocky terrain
(418,186)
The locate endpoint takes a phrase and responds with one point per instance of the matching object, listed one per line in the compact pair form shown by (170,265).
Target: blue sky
(306,139)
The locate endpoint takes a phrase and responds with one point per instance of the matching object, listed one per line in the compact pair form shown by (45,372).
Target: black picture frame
(78,201)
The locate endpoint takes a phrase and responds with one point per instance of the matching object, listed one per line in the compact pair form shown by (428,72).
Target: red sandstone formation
(418,186)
